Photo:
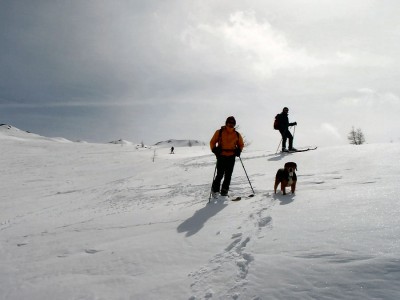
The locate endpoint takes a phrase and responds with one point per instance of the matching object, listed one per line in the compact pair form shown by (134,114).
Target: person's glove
(238,152)
(295,123)
(216,151)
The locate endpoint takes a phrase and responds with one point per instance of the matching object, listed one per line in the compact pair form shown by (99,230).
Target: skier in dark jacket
(283,123)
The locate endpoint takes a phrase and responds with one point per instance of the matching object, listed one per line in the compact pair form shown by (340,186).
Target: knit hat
(230,119)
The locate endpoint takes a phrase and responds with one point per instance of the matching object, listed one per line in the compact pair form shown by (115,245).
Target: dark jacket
(283,121)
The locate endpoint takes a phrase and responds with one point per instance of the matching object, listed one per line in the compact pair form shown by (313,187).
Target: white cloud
(247,46)
(370,98)
(246,43)
(330,131)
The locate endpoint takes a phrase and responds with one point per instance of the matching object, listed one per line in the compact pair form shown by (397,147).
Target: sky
(147,71)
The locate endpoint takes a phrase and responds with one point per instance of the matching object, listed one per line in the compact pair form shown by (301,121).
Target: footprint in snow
(91,251)
(263,222)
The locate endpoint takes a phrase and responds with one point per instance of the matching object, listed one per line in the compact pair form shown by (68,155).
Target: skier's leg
(290,137)
(284,138)
(220,174)
(230,164)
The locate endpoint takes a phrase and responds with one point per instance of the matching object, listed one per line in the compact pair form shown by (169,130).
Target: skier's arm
(214,140)
(240,142)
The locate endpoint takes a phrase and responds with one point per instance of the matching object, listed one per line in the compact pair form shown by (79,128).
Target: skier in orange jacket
(226,144)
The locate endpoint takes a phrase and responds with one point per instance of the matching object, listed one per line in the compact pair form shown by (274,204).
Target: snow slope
(180,143)
(103,221)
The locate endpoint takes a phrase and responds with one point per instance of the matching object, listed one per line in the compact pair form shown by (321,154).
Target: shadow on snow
(200,217)
(278,156)
(284,199)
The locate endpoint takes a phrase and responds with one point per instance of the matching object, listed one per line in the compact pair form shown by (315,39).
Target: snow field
(98,221)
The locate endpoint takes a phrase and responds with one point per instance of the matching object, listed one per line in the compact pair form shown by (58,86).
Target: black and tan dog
(286,177)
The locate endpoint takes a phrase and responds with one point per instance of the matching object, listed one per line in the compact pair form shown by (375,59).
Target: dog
(286,177)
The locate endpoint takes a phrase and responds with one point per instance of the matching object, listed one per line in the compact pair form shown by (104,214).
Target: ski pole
(294,131)
(278,146)
(247,177)
(215,170)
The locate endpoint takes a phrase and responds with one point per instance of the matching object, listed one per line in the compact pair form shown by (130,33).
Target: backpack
(276,123)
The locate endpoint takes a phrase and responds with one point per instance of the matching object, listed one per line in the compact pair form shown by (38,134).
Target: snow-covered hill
(99,221)
(128,143)
(12,132)
(180,143)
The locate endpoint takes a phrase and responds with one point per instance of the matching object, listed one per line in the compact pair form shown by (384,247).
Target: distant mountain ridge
(15,132)
(179,143)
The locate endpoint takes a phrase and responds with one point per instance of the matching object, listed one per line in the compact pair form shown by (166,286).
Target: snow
(105,221)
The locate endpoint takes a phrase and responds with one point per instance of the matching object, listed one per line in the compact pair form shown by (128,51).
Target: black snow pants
(286,135)
(225,165)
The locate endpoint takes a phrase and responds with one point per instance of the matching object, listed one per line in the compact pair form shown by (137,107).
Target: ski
(300,150)
(240,198)
(232,198)
(304,150)
(218,196)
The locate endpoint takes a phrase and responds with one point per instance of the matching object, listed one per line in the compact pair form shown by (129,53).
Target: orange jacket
(230,140)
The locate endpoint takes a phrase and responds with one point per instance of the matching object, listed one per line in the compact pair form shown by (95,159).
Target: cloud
(251,47)
(330,131)
(243,43)
(374,111)
(369,98)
